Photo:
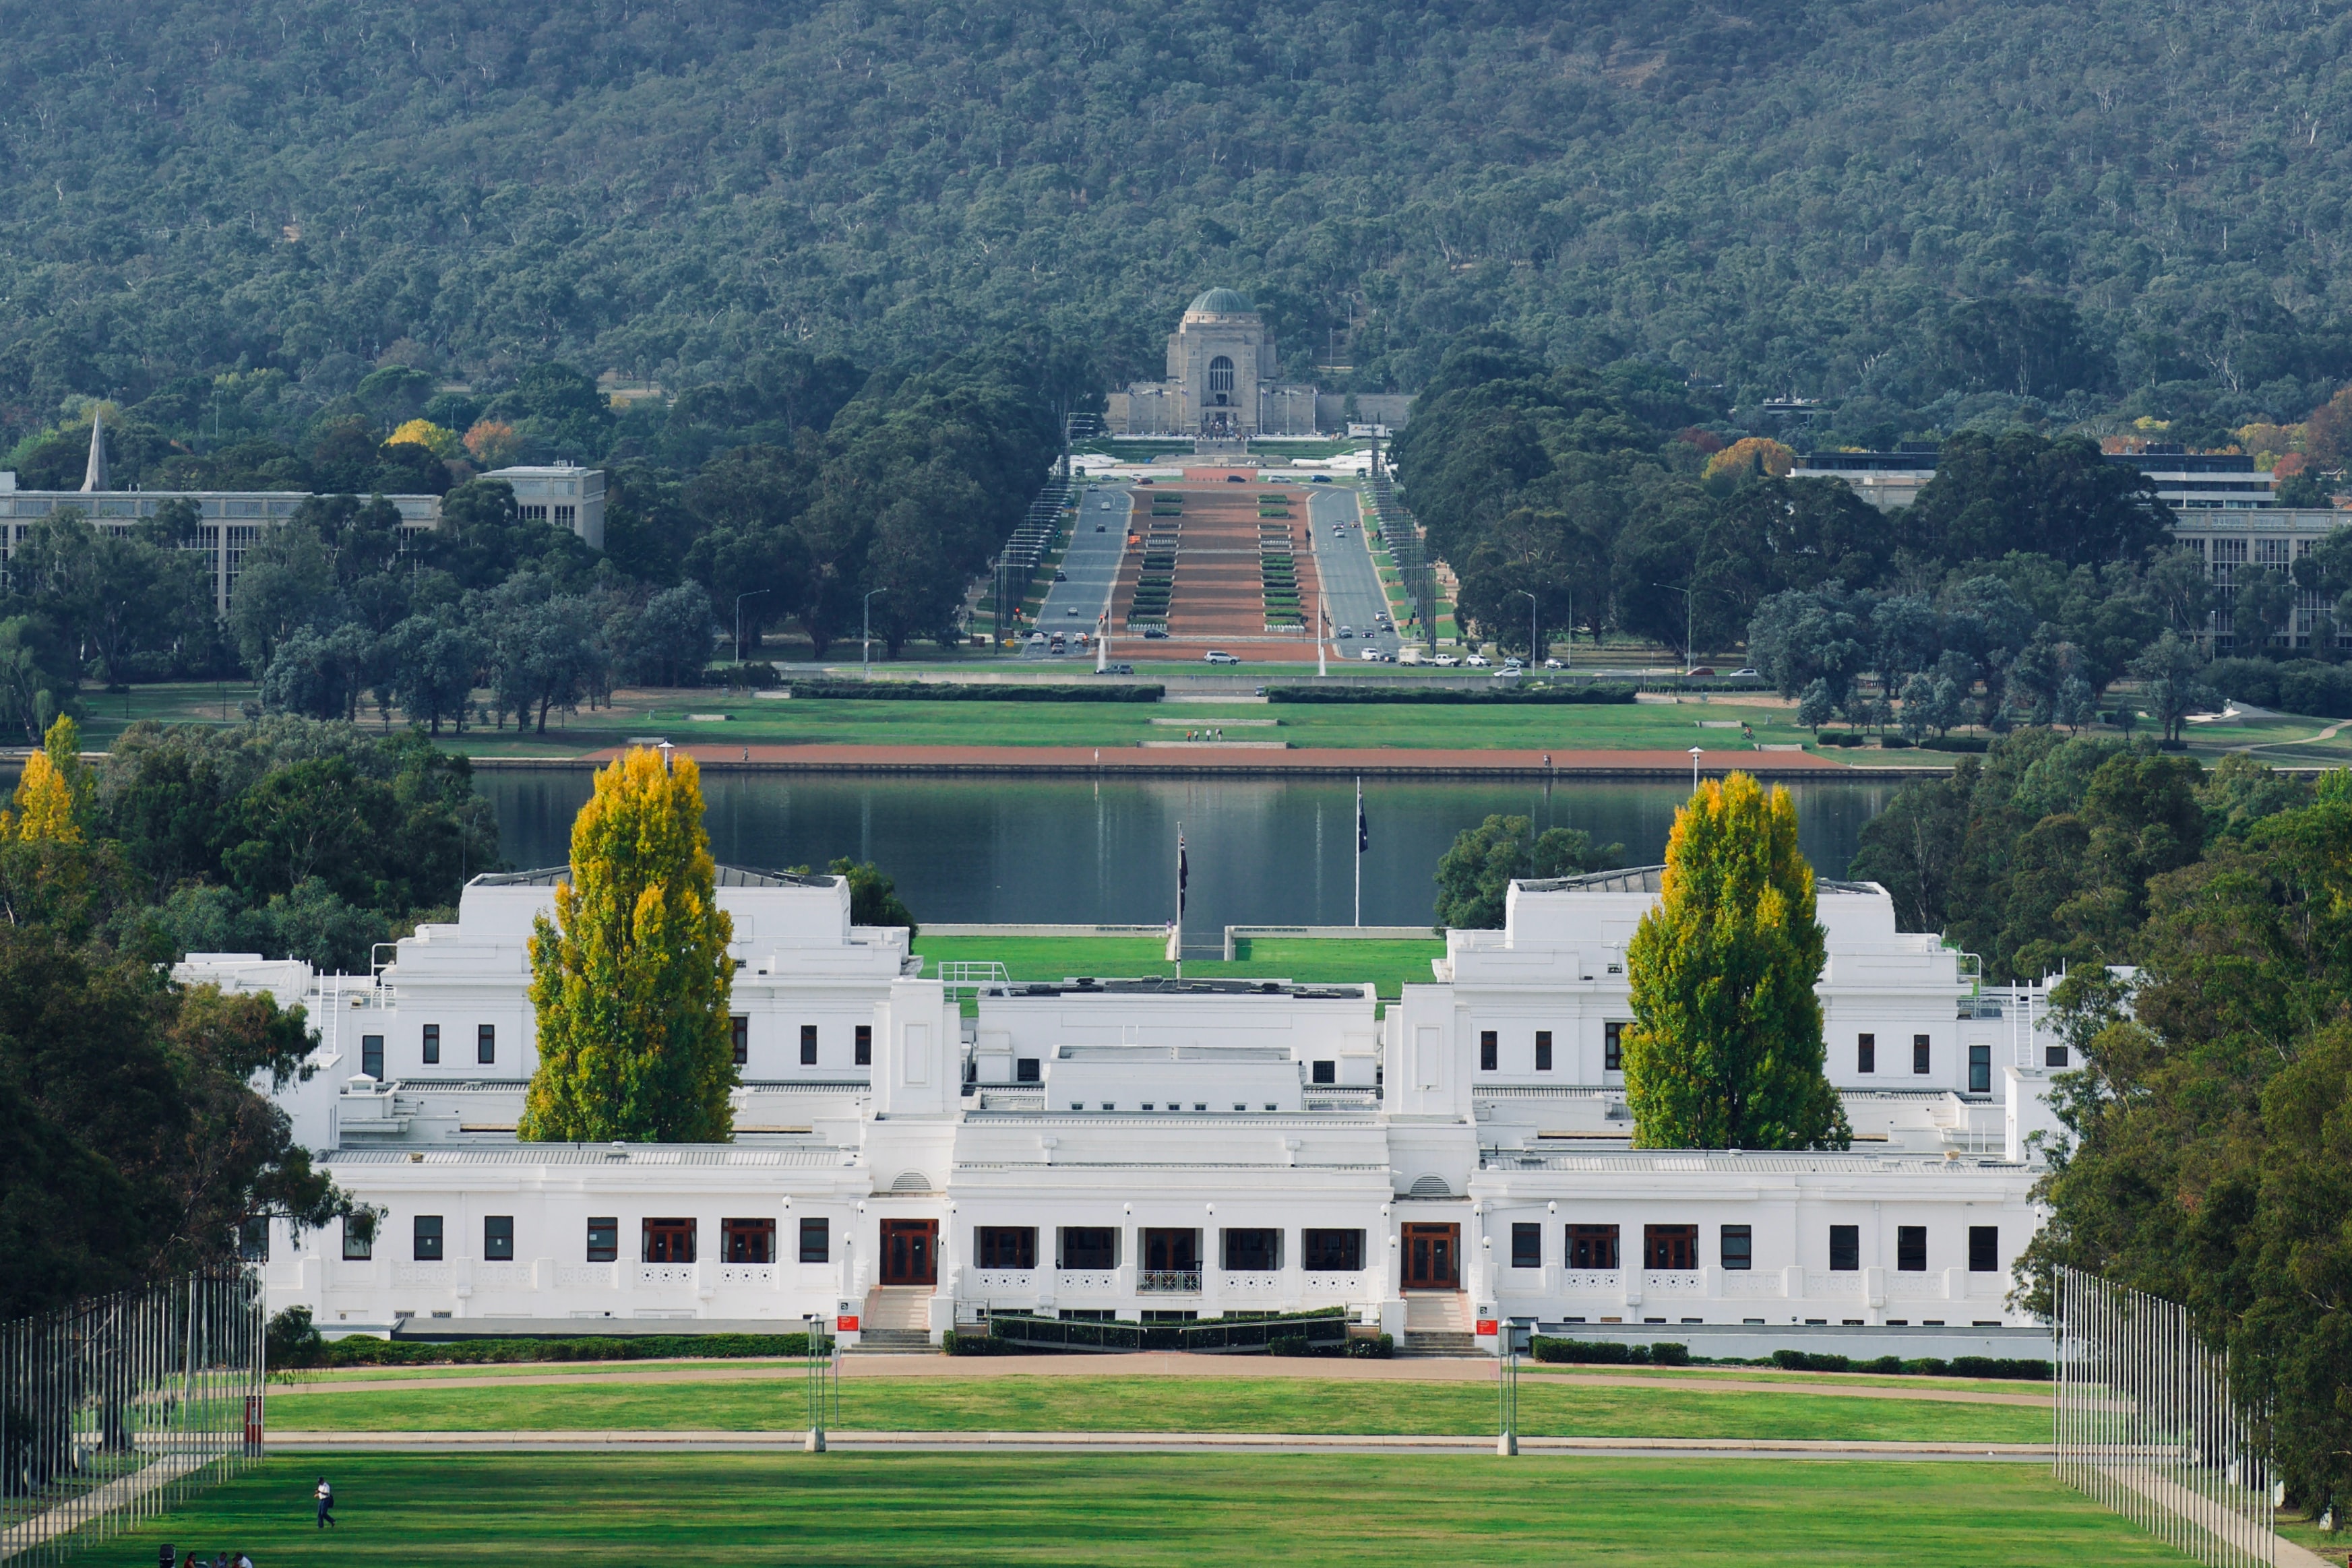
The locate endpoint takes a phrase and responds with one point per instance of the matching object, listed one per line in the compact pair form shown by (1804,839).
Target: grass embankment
(1323,960)
(1114,1509)
(1558,1407)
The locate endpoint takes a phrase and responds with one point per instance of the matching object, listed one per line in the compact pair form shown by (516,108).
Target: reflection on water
(1263,851)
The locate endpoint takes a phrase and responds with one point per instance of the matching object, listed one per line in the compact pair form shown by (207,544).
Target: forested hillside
(1784,195)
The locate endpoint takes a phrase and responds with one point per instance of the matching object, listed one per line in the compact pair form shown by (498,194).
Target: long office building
(1165,1150)
(2223,508)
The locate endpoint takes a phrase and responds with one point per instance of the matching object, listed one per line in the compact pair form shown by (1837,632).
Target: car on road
(1476,662)
(1322,478)
(1514,663)
(1338,532)
(1745,675)
(1218,657)
(1510,673)
(1155,634)
(1072,610)
(1554,665)
(1446,661)
(1371,656)
(1036,639)
(1101,528)
(1346,631)
(1702,670)
(1060,576)
(1116,670)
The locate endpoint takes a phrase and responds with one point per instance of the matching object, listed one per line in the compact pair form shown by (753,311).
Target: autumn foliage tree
(630,980)
(1726,1046)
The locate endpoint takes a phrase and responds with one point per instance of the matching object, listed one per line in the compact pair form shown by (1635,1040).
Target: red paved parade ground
(1371,761)
(1218,600)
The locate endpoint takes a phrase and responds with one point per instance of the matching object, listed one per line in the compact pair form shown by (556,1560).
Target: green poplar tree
(631,980)
(1726,1048)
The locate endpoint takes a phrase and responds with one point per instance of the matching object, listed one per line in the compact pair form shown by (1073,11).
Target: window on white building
(1253,1251)
(1670,1246)
(425,1245)
(1593,1246)
(668,1242)
(359,1237)
(1089,1247)
(739,1031)
(1008,1246)
(808,1045)
(1845,1249)
(816,1241)
(1922,1054)
(865,1045)
(1865,1053)
(747,1240)
(603,1240)
(1331,1251)
(1327,1072)
(1911,1249)
(1526,1245)
(1984,1249)
(1738,1247)
(371,1056)
(1979,1069)
(498,1237)
(433,1045)
(1490,1052)
(1543,1050)
(485,1043)
(1612,1047)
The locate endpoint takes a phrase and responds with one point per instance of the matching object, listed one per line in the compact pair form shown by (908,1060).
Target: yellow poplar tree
(53,795)
(631,979)
(1726,1049)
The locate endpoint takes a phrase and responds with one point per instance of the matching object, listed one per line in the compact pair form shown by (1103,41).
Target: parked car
(1116,670)
(1477,662)
(1236,479)
(1060,576)
(1155,634)
(1218,657)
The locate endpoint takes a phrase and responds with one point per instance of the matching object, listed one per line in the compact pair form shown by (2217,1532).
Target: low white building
(905,1160)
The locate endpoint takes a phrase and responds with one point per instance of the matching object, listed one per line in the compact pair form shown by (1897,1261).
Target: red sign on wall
(1488,1325)
(846,1325)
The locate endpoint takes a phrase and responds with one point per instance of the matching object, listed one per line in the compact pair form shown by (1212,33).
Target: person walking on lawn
(326,1504)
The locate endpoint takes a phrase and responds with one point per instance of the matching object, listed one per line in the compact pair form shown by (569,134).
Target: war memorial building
(1225,388)
(1160,1150)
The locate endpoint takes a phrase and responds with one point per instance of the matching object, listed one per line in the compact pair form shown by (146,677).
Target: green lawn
(1387,964)
(1548,1407)
(1121,1509)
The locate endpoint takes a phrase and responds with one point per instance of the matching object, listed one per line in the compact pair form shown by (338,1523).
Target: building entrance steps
(897,1321)
(1437,1323)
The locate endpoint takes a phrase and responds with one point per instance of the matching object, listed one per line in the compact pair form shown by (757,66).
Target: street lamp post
(1694,756)
(1522,592)
(739,625)
(865,634)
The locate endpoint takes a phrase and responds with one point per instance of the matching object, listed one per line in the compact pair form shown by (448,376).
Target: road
(1091,567)
(1352,595)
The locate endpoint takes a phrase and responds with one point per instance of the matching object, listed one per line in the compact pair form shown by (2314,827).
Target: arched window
(1220,376)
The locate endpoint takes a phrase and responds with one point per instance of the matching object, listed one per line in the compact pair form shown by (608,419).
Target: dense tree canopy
(1876,202)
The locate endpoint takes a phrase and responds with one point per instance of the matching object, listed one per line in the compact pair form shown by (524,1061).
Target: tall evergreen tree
(1726,1048)
(631,980)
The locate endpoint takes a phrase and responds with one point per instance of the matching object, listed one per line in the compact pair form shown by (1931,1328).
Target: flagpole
(1359,853)
(1176,936)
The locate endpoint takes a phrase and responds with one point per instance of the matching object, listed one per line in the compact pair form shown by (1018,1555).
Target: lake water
(1263,851)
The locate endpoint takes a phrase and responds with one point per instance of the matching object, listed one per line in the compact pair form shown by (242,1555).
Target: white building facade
(905,1160)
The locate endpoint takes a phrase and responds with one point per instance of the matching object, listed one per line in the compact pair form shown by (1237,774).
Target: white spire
(93,478)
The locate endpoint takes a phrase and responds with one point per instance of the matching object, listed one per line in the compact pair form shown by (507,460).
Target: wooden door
(1432,1257)
(910,1251)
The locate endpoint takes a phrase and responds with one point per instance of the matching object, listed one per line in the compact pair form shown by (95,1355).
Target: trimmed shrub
(368,1352)
(954,692)
(1374,1347)
(1666,1353)
(1531,695)
(1587,1351)
(1955,743)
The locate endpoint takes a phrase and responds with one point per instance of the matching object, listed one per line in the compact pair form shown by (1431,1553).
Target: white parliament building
(909,1156)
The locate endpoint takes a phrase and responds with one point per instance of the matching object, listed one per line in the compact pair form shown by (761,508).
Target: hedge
(2302,687)
(1957,743)
(955,692)
(368,1352)
(2020,1368)
(1608,696)
(1610,1352)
